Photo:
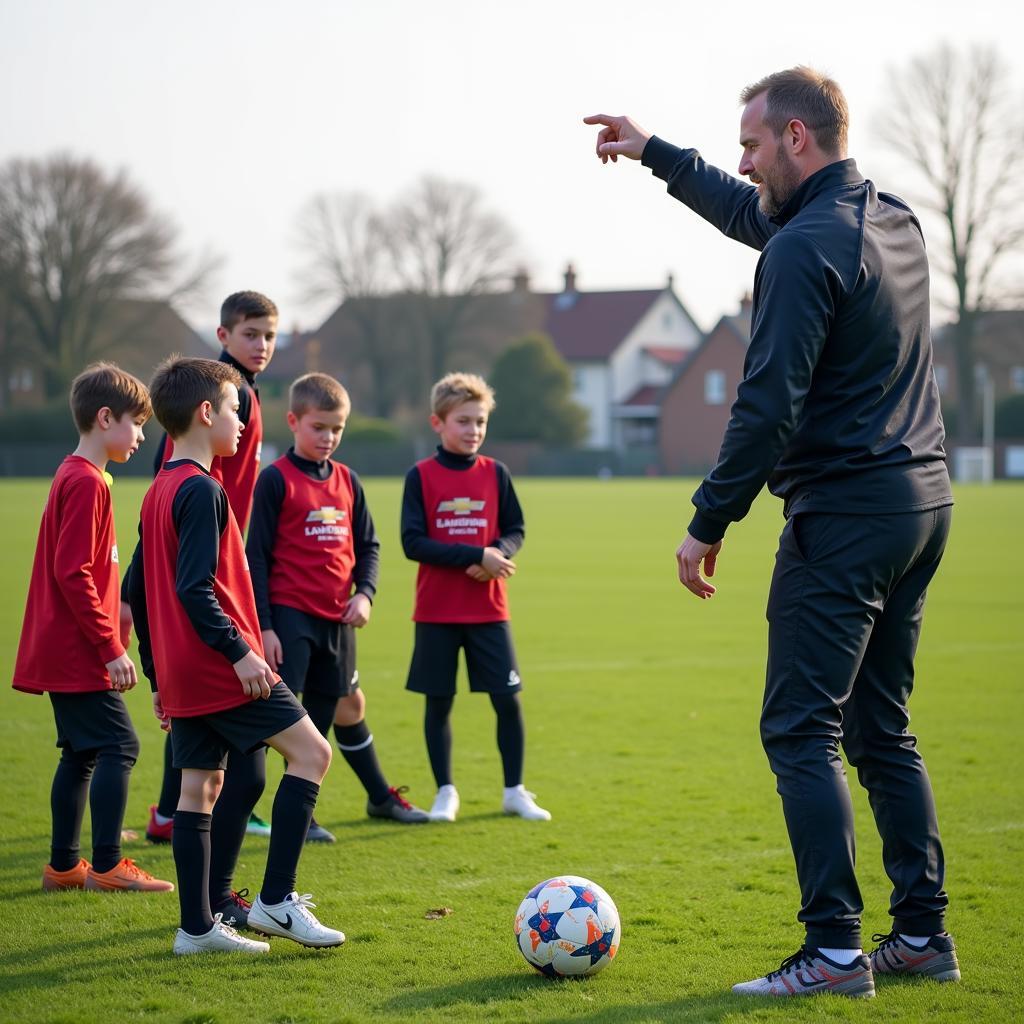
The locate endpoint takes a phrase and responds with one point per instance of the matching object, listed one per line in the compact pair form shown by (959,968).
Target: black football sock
(356,745)
(190,842)
(108,797)
(320,709)
(293,810)
(245,778)
(511,736)
(68,795)
(438,732)
(170,788)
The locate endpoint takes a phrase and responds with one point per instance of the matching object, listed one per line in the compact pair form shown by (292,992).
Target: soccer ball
(567,926)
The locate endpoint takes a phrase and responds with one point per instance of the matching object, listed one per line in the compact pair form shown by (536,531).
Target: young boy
(248,332)
(204,657)
(70,646)
(462,522)
(313,554)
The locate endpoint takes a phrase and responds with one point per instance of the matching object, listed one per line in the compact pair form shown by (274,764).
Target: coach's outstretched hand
(256,676)
(689,555)
(621,136)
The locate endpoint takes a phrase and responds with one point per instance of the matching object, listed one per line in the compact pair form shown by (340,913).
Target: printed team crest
(328,514)
(461,506)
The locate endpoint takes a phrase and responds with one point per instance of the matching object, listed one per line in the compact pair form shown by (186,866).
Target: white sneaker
(291,919)
(518,800)
(221,938)
(446,804)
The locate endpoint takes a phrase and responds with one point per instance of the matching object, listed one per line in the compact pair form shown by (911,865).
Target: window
(1017,379)
(714,387)
(942,378)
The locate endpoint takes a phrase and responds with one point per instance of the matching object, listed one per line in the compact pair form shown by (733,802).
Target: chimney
(746,304)
(570,278)
(521,281)
(670,281)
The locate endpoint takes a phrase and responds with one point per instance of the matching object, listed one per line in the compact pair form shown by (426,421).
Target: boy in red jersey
(314,554)
(204,657)
(248,332)
(70,646)
(462,522)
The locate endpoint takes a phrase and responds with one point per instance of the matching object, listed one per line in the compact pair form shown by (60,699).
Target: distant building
(998,351)
(696,402)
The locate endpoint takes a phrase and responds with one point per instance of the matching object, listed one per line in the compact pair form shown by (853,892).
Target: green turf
(641,708)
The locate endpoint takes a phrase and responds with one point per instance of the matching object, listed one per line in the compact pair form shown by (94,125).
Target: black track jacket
(838,410)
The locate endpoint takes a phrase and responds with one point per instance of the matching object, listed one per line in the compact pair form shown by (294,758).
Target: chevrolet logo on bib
(461,506)
(328,514)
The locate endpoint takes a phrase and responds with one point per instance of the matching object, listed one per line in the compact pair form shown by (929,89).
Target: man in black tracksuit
(838,412)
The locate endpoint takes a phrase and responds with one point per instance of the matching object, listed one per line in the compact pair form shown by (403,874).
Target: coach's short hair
(241,306)
(456,388)
(318,391)
(806,95)
(106,385)
(180,385)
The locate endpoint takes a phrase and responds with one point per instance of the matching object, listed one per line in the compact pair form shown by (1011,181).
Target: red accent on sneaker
(157,833)
(399,799)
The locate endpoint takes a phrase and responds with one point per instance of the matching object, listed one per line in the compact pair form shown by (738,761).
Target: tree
(73,243)
(346,259)
(953,117)
(447,251)
(533,387)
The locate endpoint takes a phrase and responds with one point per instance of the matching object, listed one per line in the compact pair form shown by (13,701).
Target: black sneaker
(397,808)
(235,913)
(936,959)
(318,834)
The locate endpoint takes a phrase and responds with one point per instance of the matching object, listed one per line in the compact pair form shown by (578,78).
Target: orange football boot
(125,877)
(53,881)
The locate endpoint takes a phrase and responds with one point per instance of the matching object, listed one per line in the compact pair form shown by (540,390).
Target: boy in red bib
(314,556)
(190,581)
(462,522)
(248,334)
(70,646)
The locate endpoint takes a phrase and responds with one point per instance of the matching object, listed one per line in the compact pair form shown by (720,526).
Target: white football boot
(446,804)
(291,919)
(221,938)
(519,800)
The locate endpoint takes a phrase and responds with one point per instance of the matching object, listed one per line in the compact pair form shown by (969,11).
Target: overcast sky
(231,114)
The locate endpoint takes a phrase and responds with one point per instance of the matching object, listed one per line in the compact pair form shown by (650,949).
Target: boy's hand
(158,710)
(496,565)
(272,649)
(357,611)
(478,573)
(256,676)
(125,624)
(122,673)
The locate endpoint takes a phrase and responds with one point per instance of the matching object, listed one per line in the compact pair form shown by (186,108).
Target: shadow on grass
(487,995)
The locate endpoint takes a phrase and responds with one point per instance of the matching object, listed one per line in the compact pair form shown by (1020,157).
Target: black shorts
(490,658)
(94,721)
(318,654)
(205,741)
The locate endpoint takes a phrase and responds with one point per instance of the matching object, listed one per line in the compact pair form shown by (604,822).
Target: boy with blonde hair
(314,556)
(461,520)
(70,646)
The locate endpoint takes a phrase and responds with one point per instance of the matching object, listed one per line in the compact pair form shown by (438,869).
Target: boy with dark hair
(204,657)
(313,553)
(248,332)
(462,522)
(70,646)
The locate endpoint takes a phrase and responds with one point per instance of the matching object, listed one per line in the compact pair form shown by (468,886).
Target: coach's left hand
(689,556)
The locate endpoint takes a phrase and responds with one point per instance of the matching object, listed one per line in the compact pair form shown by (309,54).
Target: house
(695,404)
(623,348)
(998,351)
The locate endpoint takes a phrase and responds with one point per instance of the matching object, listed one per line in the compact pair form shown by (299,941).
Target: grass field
(641,708)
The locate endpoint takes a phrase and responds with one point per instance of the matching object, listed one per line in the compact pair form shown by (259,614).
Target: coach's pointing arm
(722,200)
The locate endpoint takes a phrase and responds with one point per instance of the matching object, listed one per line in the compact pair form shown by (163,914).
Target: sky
(231,115)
